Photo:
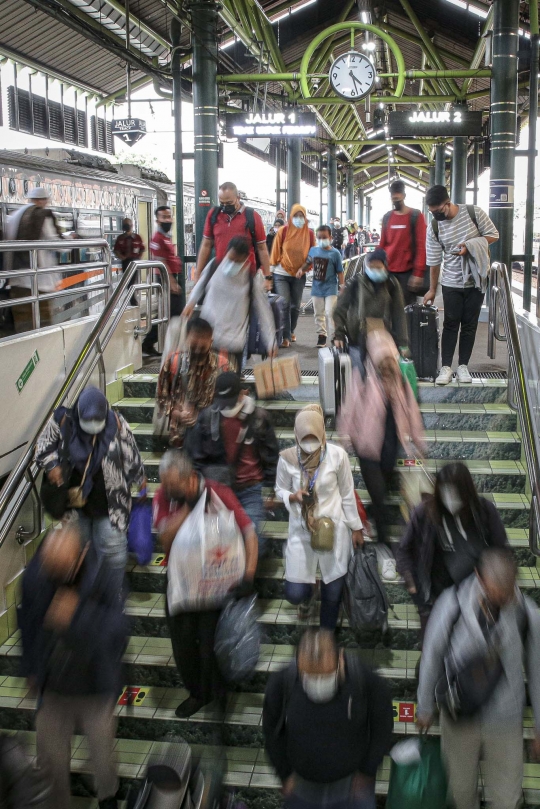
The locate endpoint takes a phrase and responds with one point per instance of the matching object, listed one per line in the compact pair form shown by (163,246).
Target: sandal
(293,338)
(285,344)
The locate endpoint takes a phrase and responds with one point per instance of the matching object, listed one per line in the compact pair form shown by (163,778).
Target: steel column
(278,175)
(176,30)
(204,14)
(440,164)
(531,160)
(476,170)
(503,126)
(294,169)
(350,192)
(458,192)
(368,212)
(321,220)
(332,182)
(360,207)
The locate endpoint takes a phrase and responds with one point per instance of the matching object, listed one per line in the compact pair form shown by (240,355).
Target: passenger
(232,293)
(162,247)
(337,234)
(233,218)
(325,261)
(234,442)
(192,632)
(380,414)
(461,243)
(315,482)
(22,786)
(362,238)
(272,234)
(289,253)
(74,634)
(327,725)
(445,538)
(34,221)
(129,246)
(187,381)
(99,450)
(488,624)
(352,240)
(374,294)
(403,237)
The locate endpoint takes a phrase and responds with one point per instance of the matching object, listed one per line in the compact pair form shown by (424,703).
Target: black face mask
(398,205)
(229,209)
(165,226)
(126,228)
(440,216)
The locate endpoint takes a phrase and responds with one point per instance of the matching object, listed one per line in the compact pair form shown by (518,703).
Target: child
(327,274)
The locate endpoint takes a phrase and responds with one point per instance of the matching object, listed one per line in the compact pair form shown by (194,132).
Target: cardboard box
(274,376)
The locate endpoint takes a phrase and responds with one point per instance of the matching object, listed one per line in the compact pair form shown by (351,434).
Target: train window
(89,224)
(65,220)
(12,185)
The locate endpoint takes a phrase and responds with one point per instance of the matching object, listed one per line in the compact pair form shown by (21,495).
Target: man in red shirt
(233,218)
(129,246)
(403,236)
(161,247)
(192,632)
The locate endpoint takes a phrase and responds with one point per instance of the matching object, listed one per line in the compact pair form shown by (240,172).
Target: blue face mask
(377,276)
(298,221)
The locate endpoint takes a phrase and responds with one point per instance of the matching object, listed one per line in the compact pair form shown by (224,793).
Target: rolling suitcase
(334,379)
(423,326)
(256,344)
(277,304)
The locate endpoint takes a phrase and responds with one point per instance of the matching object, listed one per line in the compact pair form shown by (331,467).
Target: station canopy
(84,43)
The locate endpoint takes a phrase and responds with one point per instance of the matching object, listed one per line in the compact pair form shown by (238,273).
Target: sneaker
(321,341)
(285,344)
(293,338)
(462,374)
(307,608)
(188,707)
(388,570)
(445,376)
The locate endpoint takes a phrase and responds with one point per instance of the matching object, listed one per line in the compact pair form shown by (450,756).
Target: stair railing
(501,307)
(21,482)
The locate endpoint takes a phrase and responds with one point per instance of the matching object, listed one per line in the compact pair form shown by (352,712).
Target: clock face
(352,76)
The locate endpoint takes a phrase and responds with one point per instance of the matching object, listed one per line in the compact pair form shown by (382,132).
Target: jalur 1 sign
(129,130)
(271,125)
(420,123)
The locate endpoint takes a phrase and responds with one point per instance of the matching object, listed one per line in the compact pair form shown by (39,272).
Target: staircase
(468,422)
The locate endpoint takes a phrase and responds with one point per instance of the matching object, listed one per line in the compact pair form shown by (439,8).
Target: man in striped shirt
(446,244)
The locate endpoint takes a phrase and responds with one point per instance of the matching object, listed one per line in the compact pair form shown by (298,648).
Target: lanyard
(311,483)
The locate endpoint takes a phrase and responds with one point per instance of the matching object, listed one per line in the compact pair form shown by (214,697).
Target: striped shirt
(451,233)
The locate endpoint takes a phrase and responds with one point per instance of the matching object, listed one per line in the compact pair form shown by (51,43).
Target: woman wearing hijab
(315,482)
(90,451)
(290,250)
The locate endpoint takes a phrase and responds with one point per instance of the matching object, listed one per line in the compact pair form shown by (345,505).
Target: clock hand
(355,80)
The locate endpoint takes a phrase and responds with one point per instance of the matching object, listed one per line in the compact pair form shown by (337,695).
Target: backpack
(364,595)
(435,225)
(355,672)
(414,219)
(250,223)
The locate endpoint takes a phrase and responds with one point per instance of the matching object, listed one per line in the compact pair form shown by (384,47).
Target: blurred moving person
(22,786)
(74,634)
(236,439)
(33,222)
(97,448)
(325,261)
(446,536)
(351,248)
(192,631)
(482,633)
(315,482)
(272,234)
(289,253)
(459,239)
(233,291)
(337,234)
(162,248)
(187,381)
(403,237)
(327,725)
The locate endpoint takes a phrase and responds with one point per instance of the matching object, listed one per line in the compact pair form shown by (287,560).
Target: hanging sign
(425,123)
(129,130)
(291,124)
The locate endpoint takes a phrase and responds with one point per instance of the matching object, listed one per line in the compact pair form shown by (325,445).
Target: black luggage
(169,783)
(423,327)
(364,595)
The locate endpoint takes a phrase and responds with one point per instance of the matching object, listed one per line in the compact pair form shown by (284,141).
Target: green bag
(421,785)
(409,373)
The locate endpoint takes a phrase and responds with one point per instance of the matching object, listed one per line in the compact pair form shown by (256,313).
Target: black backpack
(250,223)
(435,225)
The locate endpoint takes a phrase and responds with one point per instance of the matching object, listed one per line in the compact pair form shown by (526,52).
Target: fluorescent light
(227,44)
(291,10)
(458,3)
(365,16)
(480,12)
(369,46)
(374,132)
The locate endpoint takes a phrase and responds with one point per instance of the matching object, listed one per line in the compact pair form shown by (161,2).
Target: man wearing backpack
(403,236)
(459,239)
(327,725)
(478,637)
(232,218)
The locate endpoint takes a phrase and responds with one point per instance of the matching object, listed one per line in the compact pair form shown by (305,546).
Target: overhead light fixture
(291,10)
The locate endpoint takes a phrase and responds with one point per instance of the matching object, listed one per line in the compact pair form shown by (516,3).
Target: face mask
(231,412)
(229,209)
(320,687)
(126,228)
(440,216)
(92,426)
(323,242)
(398,205)
(377,276)
(231,268)
(165,226)
(298,221)
(309,446)
(451,499)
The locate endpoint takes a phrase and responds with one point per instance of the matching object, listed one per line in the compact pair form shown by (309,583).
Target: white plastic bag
(207,558)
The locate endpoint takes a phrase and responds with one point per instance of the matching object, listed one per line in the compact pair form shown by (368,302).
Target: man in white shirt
(452,227)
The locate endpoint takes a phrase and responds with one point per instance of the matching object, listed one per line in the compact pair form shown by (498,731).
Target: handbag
(323,535)
(408,372)
(417,776)
(139,539)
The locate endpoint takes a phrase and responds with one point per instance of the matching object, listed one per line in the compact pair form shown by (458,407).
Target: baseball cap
(227,390)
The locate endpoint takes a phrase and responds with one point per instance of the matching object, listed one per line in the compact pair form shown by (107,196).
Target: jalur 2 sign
(448,123)
(271,125)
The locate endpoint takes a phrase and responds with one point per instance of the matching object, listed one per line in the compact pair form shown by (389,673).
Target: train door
(144,215)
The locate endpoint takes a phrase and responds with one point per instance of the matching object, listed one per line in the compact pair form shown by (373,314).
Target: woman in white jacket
(315,482)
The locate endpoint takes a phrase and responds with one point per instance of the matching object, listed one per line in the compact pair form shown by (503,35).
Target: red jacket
(128,245)
(161,246)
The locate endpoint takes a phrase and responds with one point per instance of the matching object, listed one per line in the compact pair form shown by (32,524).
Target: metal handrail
(22,478)
(500,302)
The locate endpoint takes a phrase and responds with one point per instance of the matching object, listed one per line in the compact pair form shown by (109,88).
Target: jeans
(324,314)
(404,278)
(378,476)
(290,289)
(110,544)
(296,592)
(462,308)
(251,501)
